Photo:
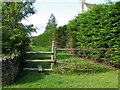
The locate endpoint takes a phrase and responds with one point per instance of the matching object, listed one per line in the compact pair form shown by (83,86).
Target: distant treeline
(99,27)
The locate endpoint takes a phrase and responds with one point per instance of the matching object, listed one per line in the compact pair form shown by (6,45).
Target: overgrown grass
(62,78)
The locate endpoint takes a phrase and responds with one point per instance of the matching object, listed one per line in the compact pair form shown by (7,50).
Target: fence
(54,54)
(72,49)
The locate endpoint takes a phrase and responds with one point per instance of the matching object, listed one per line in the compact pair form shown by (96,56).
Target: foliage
(58,35)
(51,23)
(61,37)
(45,39)
(14,33)
(98,28)
(82,79)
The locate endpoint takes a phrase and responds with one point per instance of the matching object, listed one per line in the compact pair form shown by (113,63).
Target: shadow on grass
(33,76)
(37,56)
(35,64)
(30,77)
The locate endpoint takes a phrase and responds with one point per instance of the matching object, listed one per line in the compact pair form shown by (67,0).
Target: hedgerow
(98,28)
(45,39)
(58,35)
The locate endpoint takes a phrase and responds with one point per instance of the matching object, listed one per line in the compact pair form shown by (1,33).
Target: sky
(63,10)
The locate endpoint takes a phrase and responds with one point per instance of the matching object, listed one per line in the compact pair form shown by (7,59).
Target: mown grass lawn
(30,79)
(105,78)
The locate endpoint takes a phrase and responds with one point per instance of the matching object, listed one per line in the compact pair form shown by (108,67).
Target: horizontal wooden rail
(39,52)
(30,69)
(83,69)
(68,54)
(36,69)
(75,63)
(85,49)
(39,60)
(81,54)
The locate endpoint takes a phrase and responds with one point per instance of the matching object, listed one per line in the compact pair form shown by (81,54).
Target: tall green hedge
(45,39)
(98,28)
(58,35)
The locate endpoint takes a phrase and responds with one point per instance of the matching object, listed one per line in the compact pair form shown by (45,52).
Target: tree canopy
(14,33)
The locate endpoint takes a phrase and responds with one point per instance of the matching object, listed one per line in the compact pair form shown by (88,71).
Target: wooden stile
(53,59)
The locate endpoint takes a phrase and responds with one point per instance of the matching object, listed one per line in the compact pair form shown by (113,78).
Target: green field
(107,77)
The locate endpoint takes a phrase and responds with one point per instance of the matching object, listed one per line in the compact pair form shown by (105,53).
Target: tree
(51,23)
(14,33)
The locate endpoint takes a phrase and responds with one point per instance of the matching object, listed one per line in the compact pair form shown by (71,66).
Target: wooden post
(53,45)
(52,64)
(53,57)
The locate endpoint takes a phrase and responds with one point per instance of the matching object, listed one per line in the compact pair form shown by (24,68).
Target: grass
(62,78)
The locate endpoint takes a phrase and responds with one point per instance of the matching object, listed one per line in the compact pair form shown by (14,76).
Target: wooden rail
(75,63)
(83,69)
(36,69)
(84,49)
(39,52)
(68,49)
(39,60)
(81,54)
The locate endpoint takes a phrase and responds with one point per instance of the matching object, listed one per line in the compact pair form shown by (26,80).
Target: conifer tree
(51,23)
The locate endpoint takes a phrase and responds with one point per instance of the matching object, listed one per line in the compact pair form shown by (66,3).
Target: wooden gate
(53,58)
(70,54)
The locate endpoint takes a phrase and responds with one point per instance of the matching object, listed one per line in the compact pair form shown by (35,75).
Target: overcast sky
(63,10)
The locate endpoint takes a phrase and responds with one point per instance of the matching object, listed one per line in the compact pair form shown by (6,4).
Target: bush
(14,33)
(98,28)
(45,39)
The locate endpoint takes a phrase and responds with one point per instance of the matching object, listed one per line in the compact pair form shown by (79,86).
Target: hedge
(98,28)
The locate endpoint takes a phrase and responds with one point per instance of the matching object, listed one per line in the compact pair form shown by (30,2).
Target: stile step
(40,68)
